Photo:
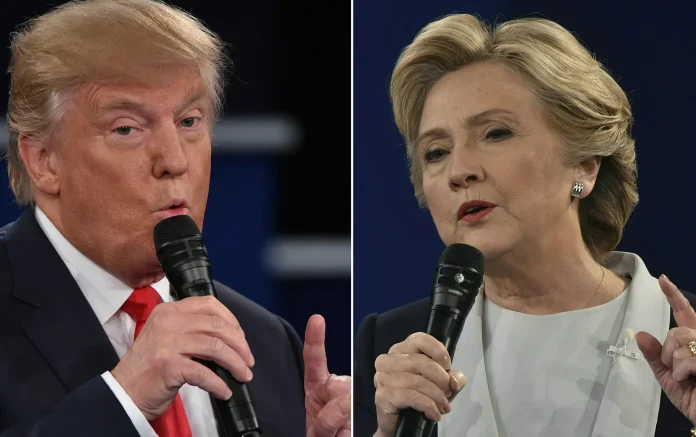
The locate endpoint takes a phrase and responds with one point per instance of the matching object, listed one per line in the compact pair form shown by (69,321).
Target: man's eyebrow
(138,106)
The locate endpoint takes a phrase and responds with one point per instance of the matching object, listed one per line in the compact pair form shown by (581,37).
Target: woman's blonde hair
(99,40)
(584,106)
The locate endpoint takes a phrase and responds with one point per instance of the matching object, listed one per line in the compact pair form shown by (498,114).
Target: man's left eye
(124,130)
(189,122)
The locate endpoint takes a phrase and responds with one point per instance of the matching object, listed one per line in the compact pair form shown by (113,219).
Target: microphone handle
(236,415)
(445,324)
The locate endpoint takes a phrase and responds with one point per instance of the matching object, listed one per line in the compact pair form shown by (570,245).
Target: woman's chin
(491,247)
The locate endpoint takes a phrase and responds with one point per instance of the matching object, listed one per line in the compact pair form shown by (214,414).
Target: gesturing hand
(673,363)
(327,396)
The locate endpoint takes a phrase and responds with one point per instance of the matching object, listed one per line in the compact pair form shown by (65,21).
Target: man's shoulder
(249,313)
(5,265)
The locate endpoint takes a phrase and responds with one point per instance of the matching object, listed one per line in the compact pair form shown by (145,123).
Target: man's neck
(133,279)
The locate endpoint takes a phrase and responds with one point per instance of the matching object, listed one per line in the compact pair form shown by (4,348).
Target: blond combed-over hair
(100,41)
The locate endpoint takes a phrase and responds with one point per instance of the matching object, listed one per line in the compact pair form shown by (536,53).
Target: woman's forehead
(465,96)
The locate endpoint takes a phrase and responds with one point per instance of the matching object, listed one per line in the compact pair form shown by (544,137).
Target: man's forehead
(104,96)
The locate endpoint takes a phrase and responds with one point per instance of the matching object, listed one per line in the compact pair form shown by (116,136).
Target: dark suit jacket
(53,351)
(378,333)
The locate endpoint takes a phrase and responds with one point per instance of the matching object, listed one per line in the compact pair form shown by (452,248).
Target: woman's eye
(435,155)
(498,134)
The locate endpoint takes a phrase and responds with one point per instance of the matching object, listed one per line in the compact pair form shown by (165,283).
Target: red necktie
(173,422)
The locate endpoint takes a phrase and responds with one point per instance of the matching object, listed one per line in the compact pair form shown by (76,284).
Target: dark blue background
(256,197)
(649,48)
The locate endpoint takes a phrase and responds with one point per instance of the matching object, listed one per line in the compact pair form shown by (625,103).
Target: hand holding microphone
(414,380)
(159,362)
(414,374)
(195,340)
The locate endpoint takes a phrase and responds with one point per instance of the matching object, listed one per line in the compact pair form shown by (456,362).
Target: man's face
(126,157)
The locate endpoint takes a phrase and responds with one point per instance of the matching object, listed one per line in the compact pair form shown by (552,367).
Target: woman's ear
(586,173)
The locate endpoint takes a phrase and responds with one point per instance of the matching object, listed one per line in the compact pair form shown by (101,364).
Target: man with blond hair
(111,109)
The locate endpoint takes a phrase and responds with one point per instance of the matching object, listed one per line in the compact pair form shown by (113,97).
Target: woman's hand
(414,374)
(673,363)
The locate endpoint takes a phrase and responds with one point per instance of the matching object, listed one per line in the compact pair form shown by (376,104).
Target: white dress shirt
(106,294)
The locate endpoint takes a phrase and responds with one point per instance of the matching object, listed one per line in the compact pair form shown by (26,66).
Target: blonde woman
(520,145)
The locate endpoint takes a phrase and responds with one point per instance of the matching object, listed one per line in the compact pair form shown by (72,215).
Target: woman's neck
(550,279)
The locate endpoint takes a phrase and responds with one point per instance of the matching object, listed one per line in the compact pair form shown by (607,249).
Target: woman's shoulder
(393,326)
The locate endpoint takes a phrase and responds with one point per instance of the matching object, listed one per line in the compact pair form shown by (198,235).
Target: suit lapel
(631,400)
(63,327)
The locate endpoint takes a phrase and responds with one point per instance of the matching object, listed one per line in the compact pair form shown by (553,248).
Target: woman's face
(483,139)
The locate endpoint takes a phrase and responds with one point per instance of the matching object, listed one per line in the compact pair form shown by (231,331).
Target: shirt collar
(104,292)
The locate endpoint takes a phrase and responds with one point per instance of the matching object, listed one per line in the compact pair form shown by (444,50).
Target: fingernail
(252,361)
(459,379)
(448,362)
(344,405)
(249,375)
(228,394)
(344,433)
(448,407)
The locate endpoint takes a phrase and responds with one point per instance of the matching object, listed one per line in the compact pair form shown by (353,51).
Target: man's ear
(40,163)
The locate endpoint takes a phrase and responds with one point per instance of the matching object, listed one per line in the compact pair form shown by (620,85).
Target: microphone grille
(174,228)
(462,255)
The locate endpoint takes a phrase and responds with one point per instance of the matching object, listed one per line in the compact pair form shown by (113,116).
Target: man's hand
(159,362)
(327,396)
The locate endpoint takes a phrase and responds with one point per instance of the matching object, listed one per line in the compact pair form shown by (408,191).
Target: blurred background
(278,220)
(648,48)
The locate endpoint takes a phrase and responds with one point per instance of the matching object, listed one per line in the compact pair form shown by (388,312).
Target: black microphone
(184,259)
(458,276)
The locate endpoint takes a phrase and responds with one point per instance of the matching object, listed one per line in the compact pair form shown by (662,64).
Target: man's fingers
(331,418)
(314,353)
(652,351)
(681,308)
(215,326)
(198,375)
(335,387)
(208,305)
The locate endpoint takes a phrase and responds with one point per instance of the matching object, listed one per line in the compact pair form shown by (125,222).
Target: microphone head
(463,255)
(174,228)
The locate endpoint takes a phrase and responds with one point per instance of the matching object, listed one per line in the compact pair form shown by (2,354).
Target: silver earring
(577,189)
